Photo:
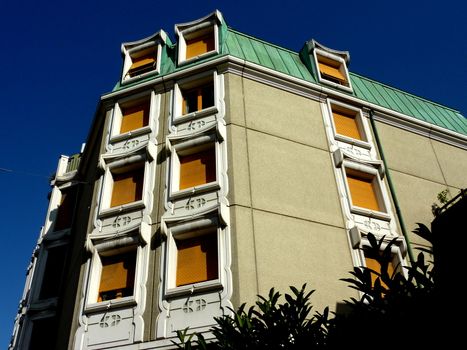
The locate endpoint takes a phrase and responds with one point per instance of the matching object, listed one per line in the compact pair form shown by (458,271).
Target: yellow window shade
(363,192)
(331,69)
(198,46)
(127,187)
(135,117)
(197,259)
(117,276)
(142,64)
(373,264)
(346,125)
(197,169)
(65,210)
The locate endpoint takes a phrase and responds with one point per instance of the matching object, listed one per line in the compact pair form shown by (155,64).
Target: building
(218,167)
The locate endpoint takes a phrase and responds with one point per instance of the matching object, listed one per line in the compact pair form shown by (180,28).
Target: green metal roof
(299,65)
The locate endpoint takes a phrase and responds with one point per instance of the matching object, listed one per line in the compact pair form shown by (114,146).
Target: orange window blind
(346,124)
(127,187)
(328,68)
(363,192)
(198,98)
(117,276)
(373,264)
(197,259)
(199,45)
(134,117)
(198,168)
(142,64)
(65,210)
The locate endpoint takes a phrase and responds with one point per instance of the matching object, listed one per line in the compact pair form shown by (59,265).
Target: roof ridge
(230,29)
(406,92)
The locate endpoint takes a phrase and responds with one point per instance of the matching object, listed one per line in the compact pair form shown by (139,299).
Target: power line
(20,172)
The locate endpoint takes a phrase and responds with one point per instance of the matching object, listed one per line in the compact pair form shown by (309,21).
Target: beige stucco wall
(420,169)
(286,219)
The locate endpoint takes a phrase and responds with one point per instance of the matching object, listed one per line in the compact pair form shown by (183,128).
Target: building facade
(221,166)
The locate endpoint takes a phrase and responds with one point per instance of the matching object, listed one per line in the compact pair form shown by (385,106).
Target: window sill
(351,141)
(370,213)
(195,190)
(121,209)
(125,80)
(130,134)
(193,115)
(194,288)
(110,304)
(335,85)
(195,58)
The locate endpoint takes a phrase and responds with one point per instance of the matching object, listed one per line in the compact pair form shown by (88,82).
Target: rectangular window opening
(197,98)
(135,117)
(142,64)
(346,123)
(372,263)
(200,44)
(127,187)
(363,191)
(331,70)
(198,168)
(117,276)
(65,210)
(53,272)
(197,259)
(44,333)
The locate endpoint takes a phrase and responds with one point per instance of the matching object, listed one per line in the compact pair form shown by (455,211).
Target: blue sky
(58,57)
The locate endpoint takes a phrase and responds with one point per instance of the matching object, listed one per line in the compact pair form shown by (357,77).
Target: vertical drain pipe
(391,188)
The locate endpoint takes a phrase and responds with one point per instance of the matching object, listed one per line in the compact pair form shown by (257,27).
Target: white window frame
(188,147)
(193,32)
(193,82)
(398,260)
(41,268)
(128,244)
(360,120)
(117,116)
(342,65)
(141,50)
(381,194)
(190,230)
(107,188)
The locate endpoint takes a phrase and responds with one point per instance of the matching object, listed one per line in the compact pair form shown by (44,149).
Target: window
(53,272)
(198,39)
(371,262)
(364,190)
(142,62)
(197,259)
(332,70)
(43,334)
(117,276)
(135,116)
(198,98)
(347,122)
(331,66)
(200,44)
(142,58)
(127,187)
(65,210)
(195,97)
(193,256)
(198,168)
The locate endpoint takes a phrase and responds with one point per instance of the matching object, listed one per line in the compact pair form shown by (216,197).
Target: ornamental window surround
(197,40)
(195,97)
(348,124)
(194,257)
(133,116)
(194,166)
